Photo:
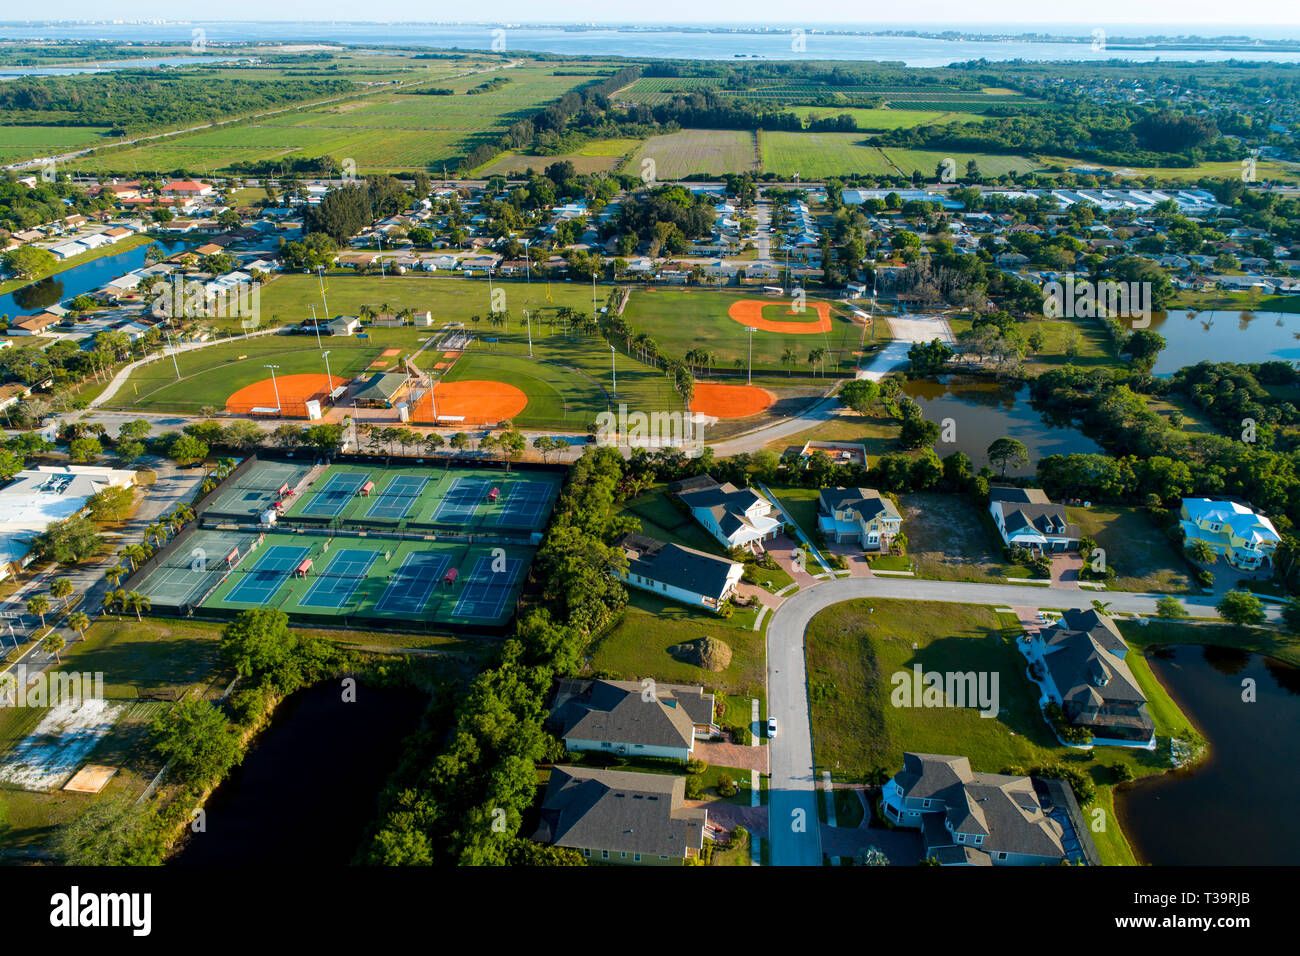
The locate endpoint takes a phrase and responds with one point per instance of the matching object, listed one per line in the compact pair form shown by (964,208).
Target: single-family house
(1236,531)
(1080,664)
(617,816)
(1027,518)
(863,515)
(986,819)
(738,517)
(34,324)
(632,718)
(683,574)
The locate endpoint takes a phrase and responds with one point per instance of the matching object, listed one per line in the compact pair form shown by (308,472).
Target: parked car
(771,726)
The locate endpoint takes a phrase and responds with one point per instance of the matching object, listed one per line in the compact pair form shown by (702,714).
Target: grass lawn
(637,646)
(680,319)
(1142,556)
(951,538)
(849,810)
(660,519)
(1221,300)
(853,652)
(1266,641)
(878,432)
(799,504)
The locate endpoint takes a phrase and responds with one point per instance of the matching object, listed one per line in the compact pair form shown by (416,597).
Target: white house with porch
(737,517)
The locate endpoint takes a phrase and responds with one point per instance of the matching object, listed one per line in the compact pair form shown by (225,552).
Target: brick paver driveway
(731,755)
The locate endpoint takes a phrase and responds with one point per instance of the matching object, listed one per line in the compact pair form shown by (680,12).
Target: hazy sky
(1225,16)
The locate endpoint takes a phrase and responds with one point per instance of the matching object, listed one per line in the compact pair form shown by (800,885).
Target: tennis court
(525,505)
(330,500)
(272,569)
(397,499)
(462,499)
(335,585)
(412,583)
(485,593)
(257,489)
(193,568)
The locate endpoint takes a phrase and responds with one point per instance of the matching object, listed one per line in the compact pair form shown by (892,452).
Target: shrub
(727,786)
(1170,607)
(696,766)
(1122,772)
(694,788)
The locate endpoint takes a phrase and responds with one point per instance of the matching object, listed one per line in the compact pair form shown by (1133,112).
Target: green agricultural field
(698,151)
(19,143)
(389,131)
(907,161)
(653,90)
(598,156)
(679,320)
(818,155)
(886,119)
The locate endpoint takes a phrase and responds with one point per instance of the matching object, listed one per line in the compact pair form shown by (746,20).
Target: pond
(983,410)
(1233,336)
(86,277)
(1235,808)
(306,790)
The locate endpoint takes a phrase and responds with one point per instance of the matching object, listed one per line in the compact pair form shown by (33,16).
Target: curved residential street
(794,833)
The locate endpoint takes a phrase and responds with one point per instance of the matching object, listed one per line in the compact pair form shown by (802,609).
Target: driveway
(732,755)
(906,332)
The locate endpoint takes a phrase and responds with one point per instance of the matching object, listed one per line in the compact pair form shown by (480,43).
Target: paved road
(792,788)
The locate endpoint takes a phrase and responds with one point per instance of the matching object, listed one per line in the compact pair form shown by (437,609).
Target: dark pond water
(983,411)
(306,790)
(86,277)
(1193,337)
(1236,808)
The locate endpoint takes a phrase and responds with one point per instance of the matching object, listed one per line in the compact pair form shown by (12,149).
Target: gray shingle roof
(620,811)
(614,711)
(675,565)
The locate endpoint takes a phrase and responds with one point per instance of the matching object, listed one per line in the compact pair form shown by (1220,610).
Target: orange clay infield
(730,401)
(389,353)
(474,400)
(294,390)
(750,312)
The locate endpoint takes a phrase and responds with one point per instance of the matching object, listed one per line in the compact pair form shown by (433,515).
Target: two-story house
(683,574)
(1236,531)
(986,819)
(1027,518)
(632,718)
(617,816)
(1079,662)
(737,517)
(863,515)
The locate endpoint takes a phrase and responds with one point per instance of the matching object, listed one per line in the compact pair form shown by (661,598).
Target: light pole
(529,322)
(175,364)
(320,274)
(326,356)
(613,365)
(274,386)
(315,324)
(749,376)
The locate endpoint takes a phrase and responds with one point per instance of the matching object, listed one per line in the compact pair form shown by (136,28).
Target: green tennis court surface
(352,580)
(402,496)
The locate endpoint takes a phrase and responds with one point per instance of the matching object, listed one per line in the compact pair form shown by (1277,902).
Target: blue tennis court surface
(411,584)
(264,578)
(486,590)
(524,504)
(462,500)
(339,579)
(330,500)
(398,497)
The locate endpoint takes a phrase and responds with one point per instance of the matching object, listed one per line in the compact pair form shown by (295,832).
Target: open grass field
(29,142)
(1142,556)
(389,131)
(880,119)
(1265,169)
(817,155)
(697,151)
(639,646)
(908,161)
(950,538)
(683,319)
(597,156)
(852,653)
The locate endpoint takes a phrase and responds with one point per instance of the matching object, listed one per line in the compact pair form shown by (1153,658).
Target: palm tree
(115,574)
(53,644)
(134,553)
(79,622)
(788,358)
(137,602)
(61,588)
(39,604)
(155,532)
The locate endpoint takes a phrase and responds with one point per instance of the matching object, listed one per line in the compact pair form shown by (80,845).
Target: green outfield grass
(682,319)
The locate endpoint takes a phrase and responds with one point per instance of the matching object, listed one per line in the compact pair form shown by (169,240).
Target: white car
(771,727)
